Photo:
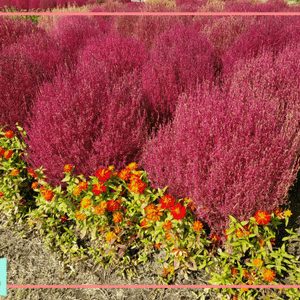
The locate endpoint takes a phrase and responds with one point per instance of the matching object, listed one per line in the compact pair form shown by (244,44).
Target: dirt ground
(30,262)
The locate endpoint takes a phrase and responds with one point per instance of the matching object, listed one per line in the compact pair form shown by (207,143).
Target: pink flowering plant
(127,222)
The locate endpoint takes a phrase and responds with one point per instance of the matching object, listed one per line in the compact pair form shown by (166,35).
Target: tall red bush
(180,59)
(94,115)
(23,66)
(233,151)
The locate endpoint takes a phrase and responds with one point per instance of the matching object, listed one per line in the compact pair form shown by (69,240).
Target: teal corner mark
(3,272)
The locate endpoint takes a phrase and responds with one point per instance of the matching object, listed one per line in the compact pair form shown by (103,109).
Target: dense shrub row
(206,105)
(154,5)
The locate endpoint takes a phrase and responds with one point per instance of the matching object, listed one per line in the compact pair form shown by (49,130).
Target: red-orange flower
(269,275)
(234,271)
(124,174)
(132,166)
(83,185)
(112,205)
(31,172)
(68,168)
(1,195)
(178,211)
(8,153)
(103,175)
(144,223)
(14,172)
(262,217)
(167,225)
(99,188)
(64,219)
(153,213)
(9,134)
(215,238)
(34,185)
(157,246)
(117,217)
(167,202)
(48,195)
(197,226)
(261,242)
(137,186)
(1,151)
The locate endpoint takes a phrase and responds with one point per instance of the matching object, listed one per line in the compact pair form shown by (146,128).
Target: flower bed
(127,221)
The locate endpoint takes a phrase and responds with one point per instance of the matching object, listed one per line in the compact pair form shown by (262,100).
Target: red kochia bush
(180,58)
(93,116)
(272,33)
(12,29)
(72,32)
(23,66)
(236,151)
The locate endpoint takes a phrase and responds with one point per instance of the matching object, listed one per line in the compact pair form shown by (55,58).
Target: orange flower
(269,275)
(14,172)
(144,223)
(180,252)
(132,167)
(34,185)
(101,228)
(124,174)
(244,289)
(168,237)
(83,185)
(77,190)
(261,242)
(100,209)
(167,225)
(110,168)
(258,262)
(9,134)
(7,154)
(112,205)
(262,217)
(129,223)
(153,213)
(48,195)
(234,271)
(165,273)
(245,273)
(80,216)
(197,226)
(137,186)
(157,246)
(167,202)
(86,202)
(215,238)
(1,195)
(1,151)
(110,236)
(117,230)
(117,217)
(31,173)
(68,168)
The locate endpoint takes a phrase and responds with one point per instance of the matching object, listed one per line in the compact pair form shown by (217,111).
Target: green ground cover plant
(127,220)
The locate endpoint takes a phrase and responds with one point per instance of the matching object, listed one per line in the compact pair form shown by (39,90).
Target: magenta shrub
(94,115)
(179,59)
(11,30)
(251,6)
(271,34)
(234,151)
(23,66)
(223,31)
(71,34)
(23,5)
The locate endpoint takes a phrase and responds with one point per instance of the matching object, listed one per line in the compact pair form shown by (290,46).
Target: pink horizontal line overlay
(152,14)
(150,286)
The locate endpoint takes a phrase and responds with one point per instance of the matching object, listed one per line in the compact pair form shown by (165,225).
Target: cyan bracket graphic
(3,271)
